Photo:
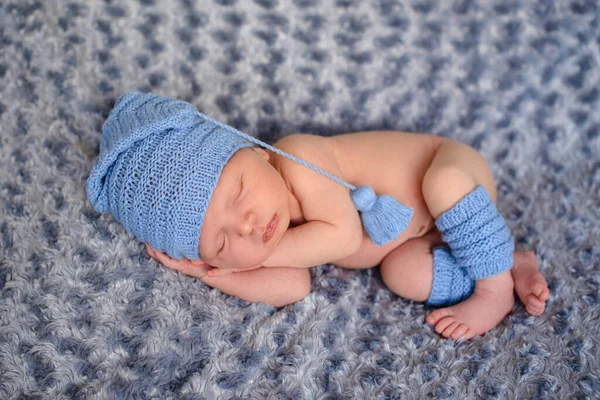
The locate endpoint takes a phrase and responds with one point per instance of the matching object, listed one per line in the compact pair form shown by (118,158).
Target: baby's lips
(270,228)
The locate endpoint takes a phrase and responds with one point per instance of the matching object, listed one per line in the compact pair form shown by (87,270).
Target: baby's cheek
(247,261)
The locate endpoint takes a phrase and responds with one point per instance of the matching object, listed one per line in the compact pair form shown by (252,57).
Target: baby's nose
(248,223)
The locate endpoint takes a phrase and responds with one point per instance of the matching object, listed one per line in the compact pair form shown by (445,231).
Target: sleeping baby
(249,219)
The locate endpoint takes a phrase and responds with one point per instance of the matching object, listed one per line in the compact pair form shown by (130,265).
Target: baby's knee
(438,180)
(459,168)
(408,271)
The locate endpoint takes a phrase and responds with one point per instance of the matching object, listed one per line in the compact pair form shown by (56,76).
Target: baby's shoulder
(316,150)
(303,142)
(319,197)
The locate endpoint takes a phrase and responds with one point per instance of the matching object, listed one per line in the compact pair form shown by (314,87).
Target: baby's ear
(261,152)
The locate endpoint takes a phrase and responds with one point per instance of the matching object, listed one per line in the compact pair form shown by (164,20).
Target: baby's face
(248,213)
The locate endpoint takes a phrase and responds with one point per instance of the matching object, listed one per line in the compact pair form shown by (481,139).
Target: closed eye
(241,190)
(222,246)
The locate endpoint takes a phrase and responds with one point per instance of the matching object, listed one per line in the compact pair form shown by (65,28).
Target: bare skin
(493,299)
(490,302)
(450,171)
(408,271)
(427,173)
(530,285)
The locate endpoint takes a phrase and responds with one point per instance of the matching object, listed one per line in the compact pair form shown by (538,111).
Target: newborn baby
(251,221)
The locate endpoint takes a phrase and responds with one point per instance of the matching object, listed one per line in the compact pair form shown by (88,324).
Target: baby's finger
(184,266)
(218,272)
(199,263)
(167,261)
(194,270)
(149,250)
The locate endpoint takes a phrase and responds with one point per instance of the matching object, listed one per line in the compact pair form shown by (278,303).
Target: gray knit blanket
(86,314)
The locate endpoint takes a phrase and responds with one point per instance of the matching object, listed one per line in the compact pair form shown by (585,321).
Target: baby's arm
(333,229)
(313,243)
(274,286)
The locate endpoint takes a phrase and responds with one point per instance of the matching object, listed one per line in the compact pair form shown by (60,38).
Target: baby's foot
(490,302)
(530,285)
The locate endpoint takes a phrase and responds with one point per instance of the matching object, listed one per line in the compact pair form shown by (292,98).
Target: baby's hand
(219,272)
(195,268)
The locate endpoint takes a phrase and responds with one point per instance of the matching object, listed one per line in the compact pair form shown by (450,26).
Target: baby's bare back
(392,163)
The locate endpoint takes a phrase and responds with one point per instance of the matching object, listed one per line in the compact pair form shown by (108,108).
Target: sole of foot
(530,285)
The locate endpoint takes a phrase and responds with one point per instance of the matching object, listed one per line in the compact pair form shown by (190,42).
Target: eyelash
(222,247)
(241,190)
(236,199)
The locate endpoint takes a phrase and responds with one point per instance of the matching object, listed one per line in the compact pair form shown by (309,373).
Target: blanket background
(84,313)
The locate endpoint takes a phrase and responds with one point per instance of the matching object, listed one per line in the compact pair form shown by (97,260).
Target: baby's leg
(412,272)
(408,269)
(423,270)
(459,190)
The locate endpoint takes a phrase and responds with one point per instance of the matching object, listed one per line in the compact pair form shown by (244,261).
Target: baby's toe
(443,323)
(450,329)
(534,305)
(469,334)
(541,291)
(460,331)
(437,315)
(534,310)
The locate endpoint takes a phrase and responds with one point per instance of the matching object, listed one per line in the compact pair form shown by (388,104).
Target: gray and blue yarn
(85,313)
(160,160)
(479,244)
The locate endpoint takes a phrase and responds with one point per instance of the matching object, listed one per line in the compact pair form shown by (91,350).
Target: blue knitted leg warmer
(451,284)
(477,235)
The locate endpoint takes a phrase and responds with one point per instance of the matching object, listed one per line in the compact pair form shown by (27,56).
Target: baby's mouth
(270,228)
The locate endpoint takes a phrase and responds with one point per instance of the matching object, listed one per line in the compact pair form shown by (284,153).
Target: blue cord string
(276,150)
(383,217)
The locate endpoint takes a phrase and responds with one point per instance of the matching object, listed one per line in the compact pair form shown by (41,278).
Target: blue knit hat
(158,165)
(160,160)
